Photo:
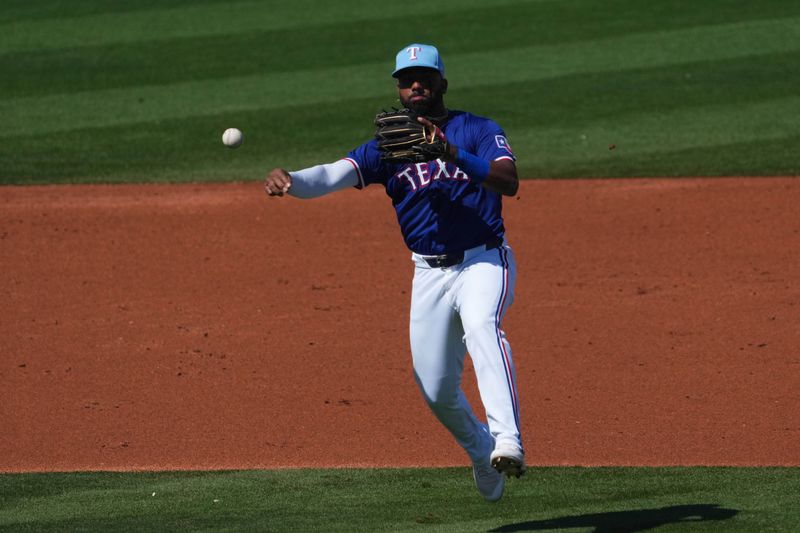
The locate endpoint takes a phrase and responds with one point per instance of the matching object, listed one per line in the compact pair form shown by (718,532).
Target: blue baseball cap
(418,55)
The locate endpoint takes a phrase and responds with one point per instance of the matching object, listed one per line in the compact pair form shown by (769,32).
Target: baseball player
(446,172)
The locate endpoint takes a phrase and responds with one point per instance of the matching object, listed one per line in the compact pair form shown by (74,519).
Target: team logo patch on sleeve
(502,142)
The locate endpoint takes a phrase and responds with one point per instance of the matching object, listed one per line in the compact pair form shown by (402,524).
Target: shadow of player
(628,521)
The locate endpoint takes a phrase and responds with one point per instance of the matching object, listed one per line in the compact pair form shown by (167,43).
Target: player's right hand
(278,182)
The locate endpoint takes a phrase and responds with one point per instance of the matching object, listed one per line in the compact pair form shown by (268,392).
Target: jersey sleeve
(492,142)
(367,160)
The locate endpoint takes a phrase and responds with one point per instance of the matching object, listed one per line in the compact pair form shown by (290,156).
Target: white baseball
(232,138)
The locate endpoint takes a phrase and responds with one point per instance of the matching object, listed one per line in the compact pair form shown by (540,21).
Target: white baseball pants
(457,310)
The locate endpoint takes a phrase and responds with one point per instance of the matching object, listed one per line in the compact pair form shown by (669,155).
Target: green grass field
(108,91)
(96,90)
(603,500)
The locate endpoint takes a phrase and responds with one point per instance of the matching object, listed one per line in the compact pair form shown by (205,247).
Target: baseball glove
(403,139)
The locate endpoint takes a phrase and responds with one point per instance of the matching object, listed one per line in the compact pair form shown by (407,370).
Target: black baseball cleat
(509,467)
(509,461)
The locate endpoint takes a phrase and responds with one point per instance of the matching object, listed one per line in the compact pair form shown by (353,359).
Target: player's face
(421,89)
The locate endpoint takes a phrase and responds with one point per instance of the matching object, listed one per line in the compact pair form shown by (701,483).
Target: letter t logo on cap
(416,55)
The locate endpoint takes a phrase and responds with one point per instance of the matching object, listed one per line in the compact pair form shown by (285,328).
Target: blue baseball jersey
(439,209)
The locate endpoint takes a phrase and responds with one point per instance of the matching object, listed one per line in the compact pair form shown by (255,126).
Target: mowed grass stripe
(602,499)
(219,18)
(597,103)
(103,22)
(241,53)
(97,109)
(190,149)
(769,157)
(639,128)
(607,96)
(24,10)
(647,133)
(643,50)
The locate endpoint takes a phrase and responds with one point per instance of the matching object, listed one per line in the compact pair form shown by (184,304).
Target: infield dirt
(211,327)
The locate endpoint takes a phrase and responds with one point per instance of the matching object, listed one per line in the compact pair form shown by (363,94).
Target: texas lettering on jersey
(439,209)
(420,175)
